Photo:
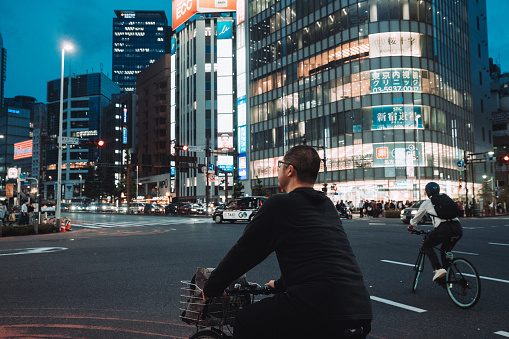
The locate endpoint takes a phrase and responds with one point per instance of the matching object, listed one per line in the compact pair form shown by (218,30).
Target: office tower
(84,101)
(386,90)
(3,70)
(138,41)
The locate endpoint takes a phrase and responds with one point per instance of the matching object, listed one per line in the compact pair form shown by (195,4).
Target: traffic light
(503,159)
(181,147)
(99,143)
(461,184)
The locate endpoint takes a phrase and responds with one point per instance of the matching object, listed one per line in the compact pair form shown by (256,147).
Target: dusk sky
(33,30)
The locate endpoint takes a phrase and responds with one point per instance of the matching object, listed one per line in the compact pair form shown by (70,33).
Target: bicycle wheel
(463,283)
(208,334)
(419,266)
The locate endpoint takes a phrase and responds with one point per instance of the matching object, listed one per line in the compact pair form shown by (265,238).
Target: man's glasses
(280,162)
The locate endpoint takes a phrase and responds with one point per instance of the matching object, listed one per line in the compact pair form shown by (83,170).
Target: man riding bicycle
(321,292)
(444,231)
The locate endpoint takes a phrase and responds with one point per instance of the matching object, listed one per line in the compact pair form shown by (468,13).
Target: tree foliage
(258,189)
(238,189)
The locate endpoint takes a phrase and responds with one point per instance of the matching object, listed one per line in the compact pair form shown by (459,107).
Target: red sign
(382,152)
(23,149)
(9,190)
(183,10)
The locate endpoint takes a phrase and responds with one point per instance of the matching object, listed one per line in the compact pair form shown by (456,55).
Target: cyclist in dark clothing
(321,292)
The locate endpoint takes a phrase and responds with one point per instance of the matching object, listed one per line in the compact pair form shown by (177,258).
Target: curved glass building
(388,90)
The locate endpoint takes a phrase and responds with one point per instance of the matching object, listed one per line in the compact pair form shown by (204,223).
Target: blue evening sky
(33,30)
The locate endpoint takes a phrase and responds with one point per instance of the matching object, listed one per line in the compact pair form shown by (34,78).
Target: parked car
(408,213)
(242,209)
(198,209)
(184,208)
(170,209)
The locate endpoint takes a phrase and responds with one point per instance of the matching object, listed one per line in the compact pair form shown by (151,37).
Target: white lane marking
(488,278)
(36,250)
(376,224)
(465,253)
(497,243)
(393,303)
(469,275)
(398,263)
(503,333)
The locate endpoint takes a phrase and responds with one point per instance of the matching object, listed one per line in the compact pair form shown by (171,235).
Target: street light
(60,127)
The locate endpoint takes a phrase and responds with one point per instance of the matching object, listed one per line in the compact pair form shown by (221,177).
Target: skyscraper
(3,70)
(138,41)
(84,101)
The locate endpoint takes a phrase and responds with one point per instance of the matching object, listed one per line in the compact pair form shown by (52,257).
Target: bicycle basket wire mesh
(218,311)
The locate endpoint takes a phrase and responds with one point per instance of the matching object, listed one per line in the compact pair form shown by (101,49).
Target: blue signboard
(242,139)
(396,116)
(224,30)
(124,136)
(242,166)
(173,46)
(125,115)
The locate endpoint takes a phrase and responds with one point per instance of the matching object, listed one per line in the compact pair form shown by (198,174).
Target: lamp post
(60,128)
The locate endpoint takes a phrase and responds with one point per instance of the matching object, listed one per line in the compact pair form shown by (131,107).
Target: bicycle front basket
(218,311)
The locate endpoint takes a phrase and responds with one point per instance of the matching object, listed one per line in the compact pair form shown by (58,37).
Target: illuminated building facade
(3,70)
(84,100)
(392,90)
(202,106)
(138,41)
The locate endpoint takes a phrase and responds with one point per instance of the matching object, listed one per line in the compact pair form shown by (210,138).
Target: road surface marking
(497,243)
(469,275)
(398,263)
(503,333)
(465,253)
(35,250)
(393,303)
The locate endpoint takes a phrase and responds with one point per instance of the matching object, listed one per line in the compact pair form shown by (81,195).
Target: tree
(503,197)
(258,189)
(238,189)
(486,194)
(91,189)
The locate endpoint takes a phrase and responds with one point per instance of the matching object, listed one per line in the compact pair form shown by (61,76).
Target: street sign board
(12,173)
(212,168)
(460,164)
(70,141)
(194,148)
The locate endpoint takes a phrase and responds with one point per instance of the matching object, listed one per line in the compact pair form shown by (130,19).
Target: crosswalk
(162,222)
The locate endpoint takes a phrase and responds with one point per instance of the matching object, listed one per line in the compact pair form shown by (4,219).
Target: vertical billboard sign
(241,92)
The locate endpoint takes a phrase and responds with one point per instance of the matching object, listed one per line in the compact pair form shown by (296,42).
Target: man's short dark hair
(306,161)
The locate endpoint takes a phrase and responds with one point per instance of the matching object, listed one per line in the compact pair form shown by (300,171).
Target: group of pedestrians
(375,209)
(24,213)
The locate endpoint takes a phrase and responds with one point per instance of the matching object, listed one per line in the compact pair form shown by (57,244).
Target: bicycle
(214,319)
(462,281)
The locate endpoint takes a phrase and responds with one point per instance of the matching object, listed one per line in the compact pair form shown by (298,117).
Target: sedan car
(408,213)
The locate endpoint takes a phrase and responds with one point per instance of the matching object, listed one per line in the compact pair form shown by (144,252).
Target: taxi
(241,209)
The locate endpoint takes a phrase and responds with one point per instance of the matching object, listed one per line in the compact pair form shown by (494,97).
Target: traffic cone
(62,225)
(68,224)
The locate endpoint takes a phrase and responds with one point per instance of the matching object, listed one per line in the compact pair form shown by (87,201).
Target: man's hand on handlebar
(412,229)
(271,284)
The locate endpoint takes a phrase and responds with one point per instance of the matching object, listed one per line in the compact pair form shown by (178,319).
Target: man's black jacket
(317,263)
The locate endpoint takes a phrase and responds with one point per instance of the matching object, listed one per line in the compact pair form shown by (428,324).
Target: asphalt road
(117,276)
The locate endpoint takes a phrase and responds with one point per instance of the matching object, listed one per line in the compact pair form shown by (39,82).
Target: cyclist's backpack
(445,207)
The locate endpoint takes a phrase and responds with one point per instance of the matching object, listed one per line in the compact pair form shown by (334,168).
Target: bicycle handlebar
(251,288)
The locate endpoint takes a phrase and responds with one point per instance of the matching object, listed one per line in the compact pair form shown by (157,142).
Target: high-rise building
(84,100)
(14,128)
(388,91)
(202,106)
(138,41)
(3,70)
